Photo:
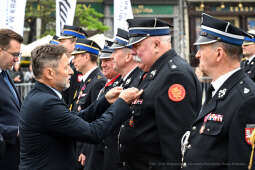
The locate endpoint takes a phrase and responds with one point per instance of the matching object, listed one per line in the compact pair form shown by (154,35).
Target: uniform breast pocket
(213,128)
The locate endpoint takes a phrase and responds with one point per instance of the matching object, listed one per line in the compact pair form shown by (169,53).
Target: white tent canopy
(26,49)
(99,39)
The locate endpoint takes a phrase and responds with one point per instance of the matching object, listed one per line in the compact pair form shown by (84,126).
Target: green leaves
(85,16)
(89,18)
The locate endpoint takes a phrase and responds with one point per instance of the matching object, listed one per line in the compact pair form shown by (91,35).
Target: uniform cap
(86,46)
(213,30)
(54,40)
(106,52)
(139,29)
(72,32)
(121,39)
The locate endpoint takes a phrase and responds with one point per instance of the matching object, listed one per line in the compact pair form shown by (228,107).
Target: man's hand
(130,94)
(113,94)
(17,79)
(82,159)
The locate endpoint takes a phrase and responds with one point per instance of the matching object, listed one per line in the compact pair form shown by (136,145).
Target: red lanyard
(112,80)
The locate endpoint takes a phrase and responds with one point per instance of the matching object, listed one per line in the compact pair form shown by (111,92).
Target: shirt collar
(219,82)
(57,92)
(251,58)
(124,79)
(86,75)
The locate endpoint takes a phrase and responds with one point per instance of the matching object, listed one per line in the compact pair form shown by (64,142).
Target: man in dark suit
(220,135)
(248,62)
(171,100)
(48,129)
(10,103)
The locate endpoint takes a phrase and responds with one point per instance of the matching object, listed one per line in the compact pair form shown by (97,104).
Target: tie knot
(211,88)
(209,93)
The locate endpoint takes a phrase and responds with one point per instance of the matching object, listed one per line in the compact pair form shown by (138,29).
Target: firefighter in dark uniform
(68,39)
(219,137)
(150,139)
(124,63)
(113,77)
(113,80)
(85,61)
(248,62)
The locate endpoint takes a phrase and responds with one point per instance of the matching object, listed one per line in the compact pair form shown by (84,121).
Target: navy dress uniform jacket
(48,130)
(111,152)
(9,113)
(96,153)
(221,143)
(151,139)
(89,90)
(249,68)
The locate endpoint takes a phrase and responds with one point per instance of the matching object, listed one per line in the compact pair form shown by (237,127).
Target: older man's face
(207,57)
(119,59)
(144,50)
(107,68)
(9,56)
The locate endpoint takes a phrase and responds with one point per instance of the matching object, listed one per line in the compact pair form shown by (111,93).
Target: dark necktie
(244,63)
(121,82)
(5,76)
(209,94)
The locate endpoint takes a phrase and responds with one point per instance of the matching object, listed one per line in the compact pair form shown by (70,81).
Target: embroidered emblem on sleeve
(176,92)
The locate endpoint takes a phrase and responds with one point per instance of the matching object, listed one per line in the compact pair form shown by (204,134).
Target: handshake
(128,95)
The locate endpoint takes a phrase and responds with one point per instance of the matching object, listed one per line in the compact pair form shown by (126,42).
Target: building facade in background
(241,13)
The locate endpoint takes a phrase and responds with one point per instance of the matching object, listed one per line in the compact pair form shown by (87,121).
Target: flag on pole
(122,12)
(65,10)
(12,15)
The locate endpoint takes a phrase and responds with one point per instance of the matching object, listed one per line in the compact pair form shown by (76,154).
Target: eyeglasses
(16,55)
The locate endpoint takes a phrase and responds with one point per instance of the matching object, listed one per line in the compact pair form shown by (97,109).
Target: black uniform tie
(209,93)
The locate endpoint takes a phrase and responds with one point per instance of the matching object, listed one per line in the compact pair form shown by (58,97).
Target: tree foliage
(85,16)
(89,18)
(40,9)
